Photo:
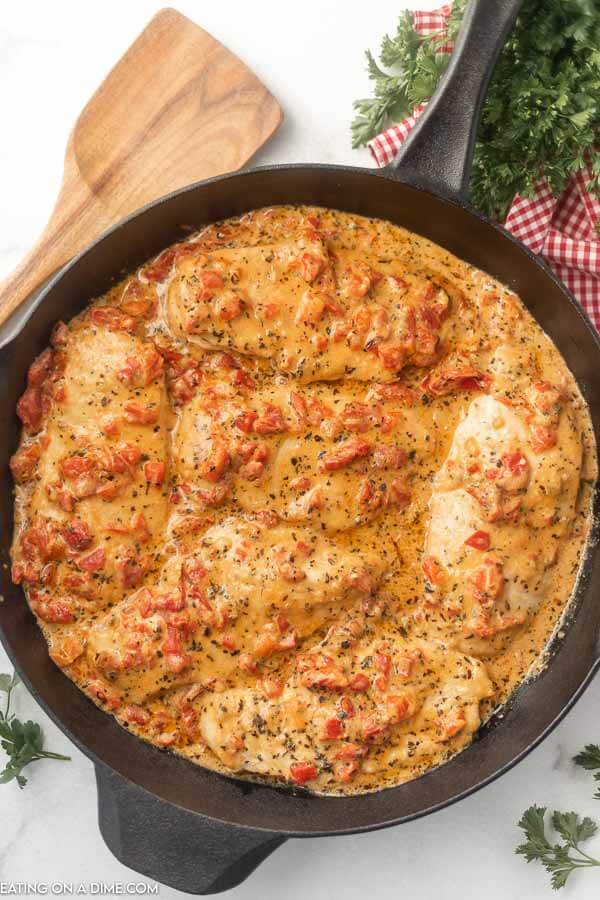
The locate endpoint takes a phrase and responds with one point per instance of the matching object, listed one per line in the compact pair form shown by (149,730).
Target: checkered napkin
(561,229)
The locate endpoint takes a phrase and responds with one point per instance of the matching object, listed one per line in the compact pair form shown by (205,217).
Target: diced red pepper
(543,437)
(245,421)
(40,368)
(344,454)
(137,714)
(55,612)
(432,570)
(155,472)
(30,409)
(334,729)
(517,462)
(77,534)
(347,707)
(271,421)
(139,415)
(479,540)
(359,683)
(94,561)
(372,729)
(302,772)
(24,463)
(211,280)
(112,319)
(272,687)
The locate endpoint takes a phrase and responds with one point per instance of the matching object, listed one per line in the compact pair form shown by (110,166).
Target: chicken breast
(352,704)
(302,498)
(248,591)
(314,312)
(98,504)
(333,457)
(499,512)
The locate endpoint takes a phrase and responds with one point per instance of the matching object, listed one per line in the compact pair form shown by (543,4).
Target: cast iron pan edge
(306,174)
(168,840)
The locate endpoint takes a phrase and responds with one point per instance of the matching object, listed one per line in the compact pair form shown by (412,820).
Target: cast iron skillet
(160,815)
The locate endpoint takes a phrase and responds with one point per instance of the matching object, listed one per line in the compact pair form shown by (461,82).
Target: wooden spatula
(177,107)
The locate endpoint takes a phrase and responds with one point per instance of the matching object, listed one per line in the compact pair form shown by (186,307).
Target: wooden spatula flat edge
(178,107)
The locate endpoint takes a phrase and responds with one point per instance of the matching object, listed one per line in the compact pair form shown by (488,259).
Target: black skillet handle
(173,846)
(438,153)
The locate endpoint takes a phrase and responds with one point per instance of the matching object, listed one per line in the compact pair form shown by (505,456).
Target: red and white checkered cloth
(561,229)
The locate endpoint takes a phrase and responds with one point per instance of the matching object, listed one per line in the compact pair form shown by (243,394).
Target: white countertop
(52,56)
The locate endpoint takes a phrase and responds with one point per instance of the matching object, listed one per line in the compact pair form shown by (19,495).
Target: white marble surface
(52,55)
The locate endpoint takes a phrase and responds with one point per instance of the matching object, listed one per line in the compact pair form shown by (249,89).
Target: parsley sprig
(589,759)
(561,859)
(23,742)
(541,117)
(558,859)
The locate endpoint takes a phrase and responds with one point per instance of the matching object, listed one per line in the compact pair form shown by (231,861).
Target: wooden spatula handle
(177,107)
(77,219)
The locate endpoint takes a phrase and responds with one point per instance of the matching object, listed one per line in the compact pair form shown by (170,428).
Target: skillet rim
(351,171)
(385,174)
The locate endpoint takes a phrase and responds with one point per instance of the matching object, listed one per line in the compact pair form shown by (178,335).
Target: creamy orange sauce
(302,499)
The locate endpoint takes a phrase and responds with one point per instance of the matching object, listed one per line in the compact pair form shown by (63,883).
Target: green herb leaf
(23,742)
(572,829)
(532,823)
(541,116)
(560,860)
(589,757)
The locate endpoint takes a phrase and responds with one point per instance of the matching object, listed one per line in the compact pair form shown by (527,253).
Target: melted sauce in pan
(302,499)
